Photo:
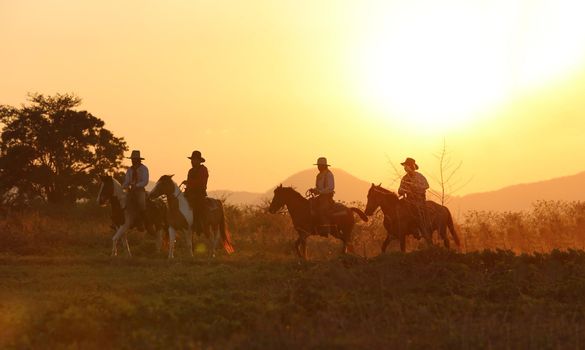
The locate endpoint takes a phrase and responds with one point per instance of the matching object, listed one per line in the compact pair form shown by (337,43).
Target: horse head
(278,200)
(106,191)
(164,186)
(377,195)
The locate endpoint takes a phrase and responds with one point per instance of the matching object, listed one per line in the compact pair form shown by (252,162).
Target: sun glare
(439,67)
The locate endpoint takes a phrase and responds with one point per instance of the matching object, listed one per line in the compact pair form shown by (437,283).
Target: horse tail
(360,213)
(226,236)
(452,228)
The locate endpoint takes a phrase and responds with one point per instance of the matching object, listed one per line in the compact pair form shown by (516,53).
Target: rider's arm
(403,189)
(330,183)
(422,184)
(127,178)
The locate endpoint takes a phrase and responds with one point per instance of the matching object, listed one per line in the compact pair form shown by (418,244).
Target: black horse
(299,209)
(400,218)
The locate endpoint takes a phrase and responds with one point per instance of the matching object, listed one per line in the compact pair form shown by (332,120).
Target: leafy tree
(51,150)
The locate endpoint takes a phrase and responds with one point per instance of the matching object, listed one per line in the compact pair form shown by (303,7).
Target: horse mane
(386,191)
(292,191)
(111,178)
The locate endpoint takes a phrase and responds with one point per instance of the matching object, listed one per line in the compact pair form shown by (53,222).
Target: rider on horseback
(135,182)
(413,187)
(324,189)
(196,190)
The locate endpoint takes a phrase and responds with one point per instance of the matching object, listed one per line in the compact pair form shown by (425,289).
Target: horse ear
(280,186)
(380,184)
(171,176)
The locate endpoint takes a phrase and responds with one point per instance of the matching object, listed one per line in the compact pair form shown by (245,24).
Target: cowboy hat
(196,155)
(322,161)
(411,162)
(135,155)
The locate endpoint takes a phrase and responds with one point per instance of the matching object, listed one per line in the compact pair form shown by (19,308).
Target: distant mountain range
(522,196)
(352,189)
(348,188)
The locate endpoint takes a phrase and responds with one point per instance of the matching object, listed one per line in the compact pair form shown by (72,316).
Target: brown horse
(400,220)
(299,209)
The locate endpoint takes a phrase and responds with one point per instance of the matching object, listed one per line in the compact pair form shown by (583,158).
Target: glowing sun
(439,66)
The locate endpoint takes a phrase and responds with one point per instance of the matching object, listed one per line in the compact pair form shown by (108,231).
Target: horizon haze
(264,88)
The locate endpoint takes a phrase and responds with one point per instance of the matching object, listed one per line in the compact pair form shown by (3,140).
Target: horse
(111,191)
(180,217)
(304,223)
(399,219)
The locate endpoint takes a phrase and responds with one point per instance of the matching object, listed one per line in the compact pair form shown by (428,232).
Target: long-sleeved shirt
(414,186)
(325,182)
(136,177)
(197,178)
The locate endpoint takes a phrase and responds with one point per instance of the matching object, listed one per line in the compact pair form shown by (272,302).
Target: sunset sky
(263,88)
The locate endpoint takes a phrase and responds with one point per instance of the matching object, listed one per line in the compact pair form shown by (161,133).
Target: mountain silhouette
(349,188)
(522,196)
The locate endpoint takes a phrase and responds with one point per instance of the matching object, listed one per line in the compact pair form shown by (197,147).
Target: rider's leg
(324,221)
(140,198)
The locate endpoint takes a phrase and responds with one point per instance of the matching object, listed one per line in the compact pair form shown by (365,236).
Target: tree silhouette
(447,178)
(50,150)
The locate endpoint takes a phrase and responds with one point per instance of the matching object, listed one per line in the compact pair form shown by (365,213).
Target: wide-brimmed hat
(135,155)
(411,162)
(322,161)
(196,155)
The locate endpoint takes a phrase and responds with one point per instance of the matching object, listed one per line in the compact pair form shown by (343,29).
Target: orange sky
(263,88)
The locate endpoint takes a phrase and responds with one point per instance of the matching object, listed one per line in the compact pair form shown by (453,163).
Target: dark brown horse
(400,219)
(299,209)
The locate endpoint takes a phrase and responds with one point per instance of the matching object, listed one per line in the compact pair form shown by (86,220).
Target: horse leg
(304,248)
(428,238)
(172,235)
(214,239)
(126,243)
(403,242)
(159,240)
(443,234)
(386,243)
(189,240)
(298,247)
(121,230)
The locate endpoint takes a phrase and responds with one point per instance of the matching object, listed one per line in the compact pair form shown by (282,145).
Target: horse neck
(179,197)
(388,207)
(296,204)
(119,193)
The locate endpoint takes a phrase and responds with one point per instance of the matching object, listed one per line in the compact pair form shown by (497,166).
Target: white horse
(122,220)
(180,217)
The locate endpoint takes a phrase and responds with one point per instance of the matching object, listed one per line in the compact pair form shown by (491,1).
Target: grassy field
(60,289)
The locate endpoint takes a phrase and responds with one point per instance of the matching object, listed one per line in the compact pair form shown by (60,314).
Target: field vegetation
(518,282)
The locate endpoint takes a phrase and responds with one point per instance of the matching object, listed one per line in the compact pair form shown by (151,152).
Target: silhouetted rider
(324,189)
(196,190)
(135,182)
(413,187)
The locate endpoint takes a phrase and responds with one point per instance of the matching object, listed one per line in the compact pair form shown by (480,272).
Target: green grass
(60,289)
(423,299)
